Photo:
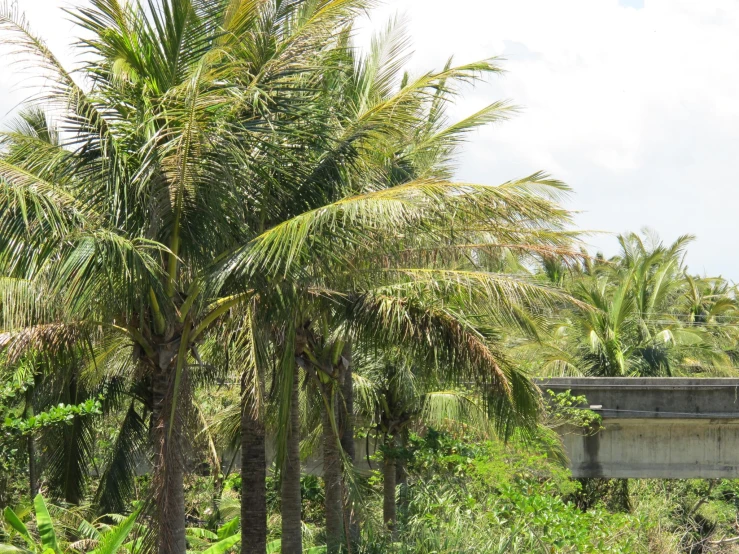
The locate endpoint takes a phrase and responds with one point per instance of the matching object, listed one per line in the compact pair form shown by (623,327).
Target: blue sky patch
(636,4)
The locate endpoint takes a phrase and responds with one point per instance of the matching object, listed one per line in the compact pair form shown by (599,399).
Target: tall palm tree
(392,133)
(373,123)
(202,168)
(147,189)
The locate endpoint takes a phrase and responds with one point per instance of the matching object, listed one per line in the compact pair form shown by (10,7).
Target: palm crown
(222,157)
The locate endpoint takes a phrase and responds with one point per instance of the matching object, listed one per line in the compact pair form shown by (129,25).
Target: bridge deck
(655,427)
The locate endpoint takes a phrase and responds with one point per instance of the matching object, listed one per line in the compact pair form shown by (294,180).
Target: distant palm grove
(245,306)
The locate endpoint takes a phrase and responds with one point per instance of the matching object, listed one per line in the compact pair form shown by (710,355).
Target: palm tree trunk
(332,477)
(72,487)
(389,482)
(401,477)
(346,418)
(292,536)
(346,408)
(168,468)
(31,446)
(253,476)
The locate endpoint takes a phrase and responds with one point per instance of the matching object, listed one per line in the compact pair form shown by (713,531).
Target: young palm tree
(396,397)
(646,316)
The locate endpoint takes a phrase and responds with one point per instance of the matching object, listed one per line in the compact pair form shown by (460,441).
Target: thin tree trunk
(346,408)
(292,536)
(32,468)
(389,476)
(346,416)
(169,469)
(31,446)
(401,477)
(253,476)
(332,478)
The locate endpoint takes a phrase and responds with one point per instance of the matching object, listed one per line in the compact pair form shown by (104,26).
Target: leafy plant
(63,413)
(470,496)
(46,539)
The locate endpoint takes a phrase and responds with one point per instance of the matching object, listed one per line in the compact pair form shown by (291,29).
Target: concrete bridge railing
(655,427)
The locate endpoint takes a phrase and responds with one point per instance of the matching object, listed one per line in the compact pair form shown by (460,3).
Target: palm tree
(641,314)
(366,114)
(119,220)
(710,304)
(397,396)
(415,147)
(202,170)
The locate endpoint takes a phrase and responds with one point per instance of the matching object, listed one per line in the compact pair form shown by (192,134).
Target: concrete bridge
(655,427)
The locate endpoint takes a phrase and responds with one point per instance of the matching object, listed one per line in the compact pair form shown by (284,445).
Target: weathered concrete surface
(657,448)
(655,427)
(654,397)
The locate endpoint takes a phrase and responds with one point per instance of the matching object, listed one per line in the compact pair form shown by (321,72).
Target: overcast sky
(633,103)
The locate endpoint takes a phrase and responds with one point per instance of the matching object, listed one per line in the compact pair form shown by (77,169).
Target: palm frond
(117,481)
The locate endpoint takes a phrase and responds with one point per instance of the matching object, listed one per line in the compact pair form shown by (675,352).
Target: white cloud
(48,21)
(635,108)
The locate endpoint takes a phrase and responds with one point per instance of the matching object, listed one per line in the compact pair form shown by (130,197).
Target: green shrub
(466,496)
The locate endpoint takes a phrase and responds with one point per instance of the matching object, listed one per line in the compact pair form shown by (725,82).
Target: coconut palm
(202,169)
(417,154)
(326,249)
(117,220)
(647,317)
(710,305)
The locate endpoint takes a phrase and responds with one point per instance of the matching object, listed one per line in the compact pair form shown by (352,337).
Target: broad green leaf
(88,530)
(224,545)
(14,521)
(316,550)
(200,533)
(229,528)
(17,524)
(112,541)
(45,525)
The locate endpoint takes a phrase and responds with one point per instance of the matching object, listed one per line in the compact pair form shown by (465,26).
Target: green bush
(491,497)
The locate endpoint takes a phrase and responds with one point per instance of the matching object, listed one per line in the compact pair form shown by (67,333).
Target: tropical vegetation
(245,305)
